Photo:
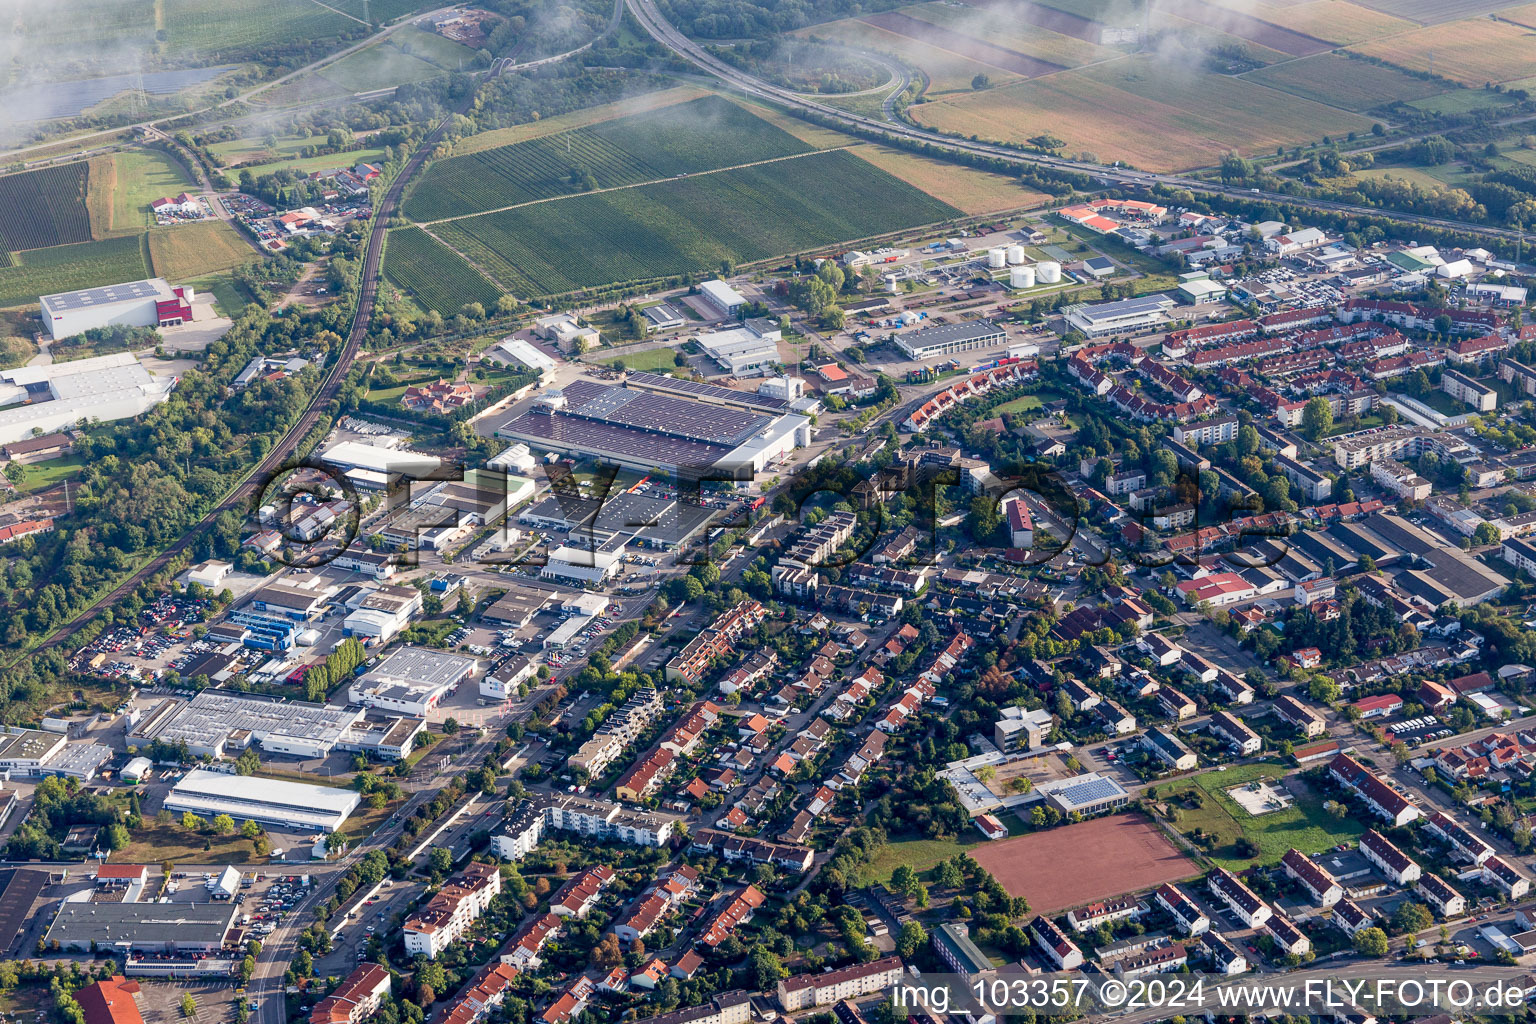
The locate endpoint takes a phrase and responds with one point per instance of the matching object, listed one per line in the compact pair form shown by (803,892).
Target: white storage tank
(1015,255)
(1022,277)
(1049,271)
(997,258)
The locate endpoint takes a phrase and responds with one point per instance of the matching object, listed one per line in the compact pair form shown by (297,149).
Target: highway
(646,13)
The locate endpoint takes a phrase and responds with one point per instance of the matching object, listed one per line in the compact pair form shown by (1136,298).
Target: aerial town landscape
(687,512)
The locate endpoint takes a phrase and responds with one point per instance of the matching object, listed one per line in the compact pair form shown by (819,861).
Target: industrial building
(411,681)
(143,927)
(273,802)
(1123,316)
(744,351)
(656,433)
(377,615)
(722,297)
(526,354)
(48,398)
(149,303)
(947,339)
(373,467)
(442,512)
(215,722)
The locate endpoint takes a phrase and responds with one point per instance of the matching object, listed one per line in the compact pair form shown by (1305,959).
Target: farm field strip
(1337,21)
(947,71)
(1472,52)
(184,251)
(1003,30)
(964,45)
(967,189)
(1246,26)
(1055,19)
(436,276)
(45,207)
(497,137)
(699,135)
(688,225)
(65,268)
(1342,82)
(618,188)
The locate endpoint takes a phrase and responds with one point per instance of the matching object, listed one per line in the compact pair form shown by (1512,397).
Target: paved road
(647,14)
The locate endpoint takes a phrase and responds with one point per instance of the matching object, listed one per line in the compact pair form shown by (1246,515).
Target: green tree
(223,824)
(1316,418)
(440,859)
(1371,942)
(188,1005)
(983,519)
(1412,918)
(249,829)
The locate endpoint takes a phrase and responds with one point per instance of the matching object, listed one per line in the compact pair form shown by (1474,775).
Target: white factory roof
(375,459)
(418,665)
(107,295)
(722,294)
(527,354)
(136,768)
(218,793)
(104,387)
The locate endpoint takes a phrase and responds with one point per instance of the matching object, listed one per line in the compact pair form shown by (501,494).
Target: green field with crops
(68,267)
(700,135)
(44,207)
(436,276)
(688,225)
(1338,80)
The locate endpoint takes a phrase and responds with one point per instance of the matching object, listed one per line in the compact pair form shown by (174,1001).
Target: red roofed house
(110,1002)
(121,874)
(1379,705)
(355,998)
(438,397)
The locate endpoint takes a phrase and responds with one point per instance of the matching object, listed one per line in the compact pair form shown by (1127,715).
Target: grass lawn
(660,360)
(230,299)
(1024,403)
(42,475)
(1444,403)
(1304,825)
(365,820)
(143,176)
(156,842)
(921,855)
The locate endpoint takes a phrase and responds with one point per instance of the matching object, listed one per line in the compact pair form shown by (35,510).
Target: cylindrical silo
(1049,271)
(1022,277)
(1015,255)
(997,258)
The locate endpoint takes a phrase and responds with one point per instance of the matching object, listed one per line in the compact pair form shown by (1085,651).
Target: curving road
(646,13)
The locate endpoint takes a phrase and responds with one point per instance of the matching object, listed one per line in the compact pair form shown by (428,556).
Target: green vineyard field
(436,276)
(44,207)
(700,135)
(688,225)
(68,267)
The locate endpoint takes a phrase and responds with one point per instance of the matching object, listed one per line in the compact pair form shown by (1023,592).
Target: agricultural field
(1472,52)
(409,55)
(139,177)
(229,29)
(45,207)
(1304,824)
(965,188)
(1142,111)
(184,251)
(436,276)
(1464,101)
(689,225)
(1002,28)
(1336,21)
(1341,82)
(498,137)
(947,71)
(67,267)
(699,135)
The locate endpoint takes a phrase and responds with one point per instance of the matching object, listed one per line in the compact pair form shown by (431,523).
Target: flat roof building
(1123,316)
(946,339)
(157,927)
(60,395)
(216,720)
(743,351)
(723,297)
(131,304)
(290,805)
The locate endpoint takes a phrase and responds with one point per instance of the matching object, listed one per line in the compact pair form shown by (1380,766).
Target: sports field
(699,135)
(1142,111)
(1337,80)
(67,267)
(44,207)
(1472,52)
(185,251)
(1076,864)
(1304,824)
(689,225)
(436,276)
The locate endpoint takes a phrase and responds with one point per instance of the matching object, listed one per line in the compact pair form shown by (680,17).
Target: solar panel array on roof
(87,297)
(661,382)
(597,437)
(660,414)
(1089,790)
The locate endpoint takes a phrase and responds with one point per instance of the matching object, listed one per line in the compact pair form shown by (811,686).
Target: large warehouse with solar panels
(151,303)
(661,427)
